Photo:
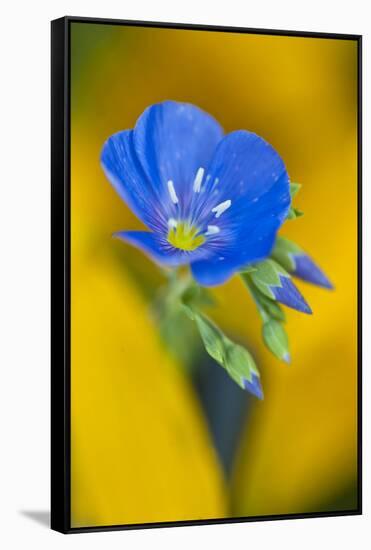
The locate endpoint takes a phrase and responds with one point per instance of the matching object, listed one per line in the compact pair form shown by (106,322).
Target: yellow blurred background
(142,447)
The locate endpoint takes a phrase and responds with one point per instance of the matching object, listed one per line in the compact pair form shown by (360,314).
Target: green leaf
(276,339)
(294,189)
(267,274)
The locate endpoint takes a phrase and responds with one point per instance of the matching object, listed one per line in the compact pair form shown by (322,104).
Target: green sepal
(275,338)
(235,359)
(294,213)
(294,189)
(267,308)
(248,269)
(239,363)
(283,252)
(211,336)
(267,274)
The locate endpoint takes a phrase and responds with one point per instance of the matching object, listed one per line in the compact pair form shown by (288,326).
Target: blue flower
(306,269)
(254,386)
(297,262)
(288,294)
(214,202)
(274,282)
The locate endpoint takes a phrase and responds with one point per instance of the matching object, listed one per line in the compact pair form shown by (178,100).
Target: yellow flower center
(185,236)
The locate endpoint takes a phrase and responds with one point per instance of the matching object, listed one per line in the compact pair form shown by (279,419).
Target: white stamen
(216,181)
(212,230)
(172,223)
(198,180)
(170,186)
(222,207)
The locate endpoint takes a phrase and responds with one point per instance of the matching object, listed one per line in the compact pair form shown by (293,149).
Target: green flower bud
(276,340)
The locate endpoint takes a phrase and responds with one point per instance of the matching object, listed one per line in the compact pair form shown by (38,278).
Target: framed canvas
(206,338)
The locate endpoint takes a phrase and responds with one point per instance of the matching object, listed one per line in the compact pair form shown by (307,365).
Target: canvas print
(213,276)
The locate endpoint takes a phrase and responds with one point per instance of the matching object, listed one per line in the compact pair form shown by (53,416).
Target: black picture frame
(60,271)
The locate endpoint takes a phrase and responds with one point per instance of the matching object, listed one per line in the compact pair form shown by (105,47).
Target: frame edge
(60,439)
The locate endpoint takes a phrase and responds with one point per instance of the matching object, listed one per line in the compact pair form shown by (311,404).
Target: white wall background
(24,273)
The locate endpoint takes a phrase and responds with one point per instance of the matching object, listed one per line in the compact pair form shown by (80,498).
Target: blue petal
(157,248)
(124,171)
(172,141)
(306,269)
(254,386)
(214,271)
(229,258)
(289,295)
(249,173)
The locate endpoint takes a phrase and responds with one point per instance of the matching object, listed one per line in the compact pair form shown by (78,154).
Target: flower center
(184,236)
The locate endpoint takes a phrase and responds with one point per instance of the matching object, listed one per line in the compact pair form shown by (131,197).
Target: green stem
(169,296)
(255,296)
